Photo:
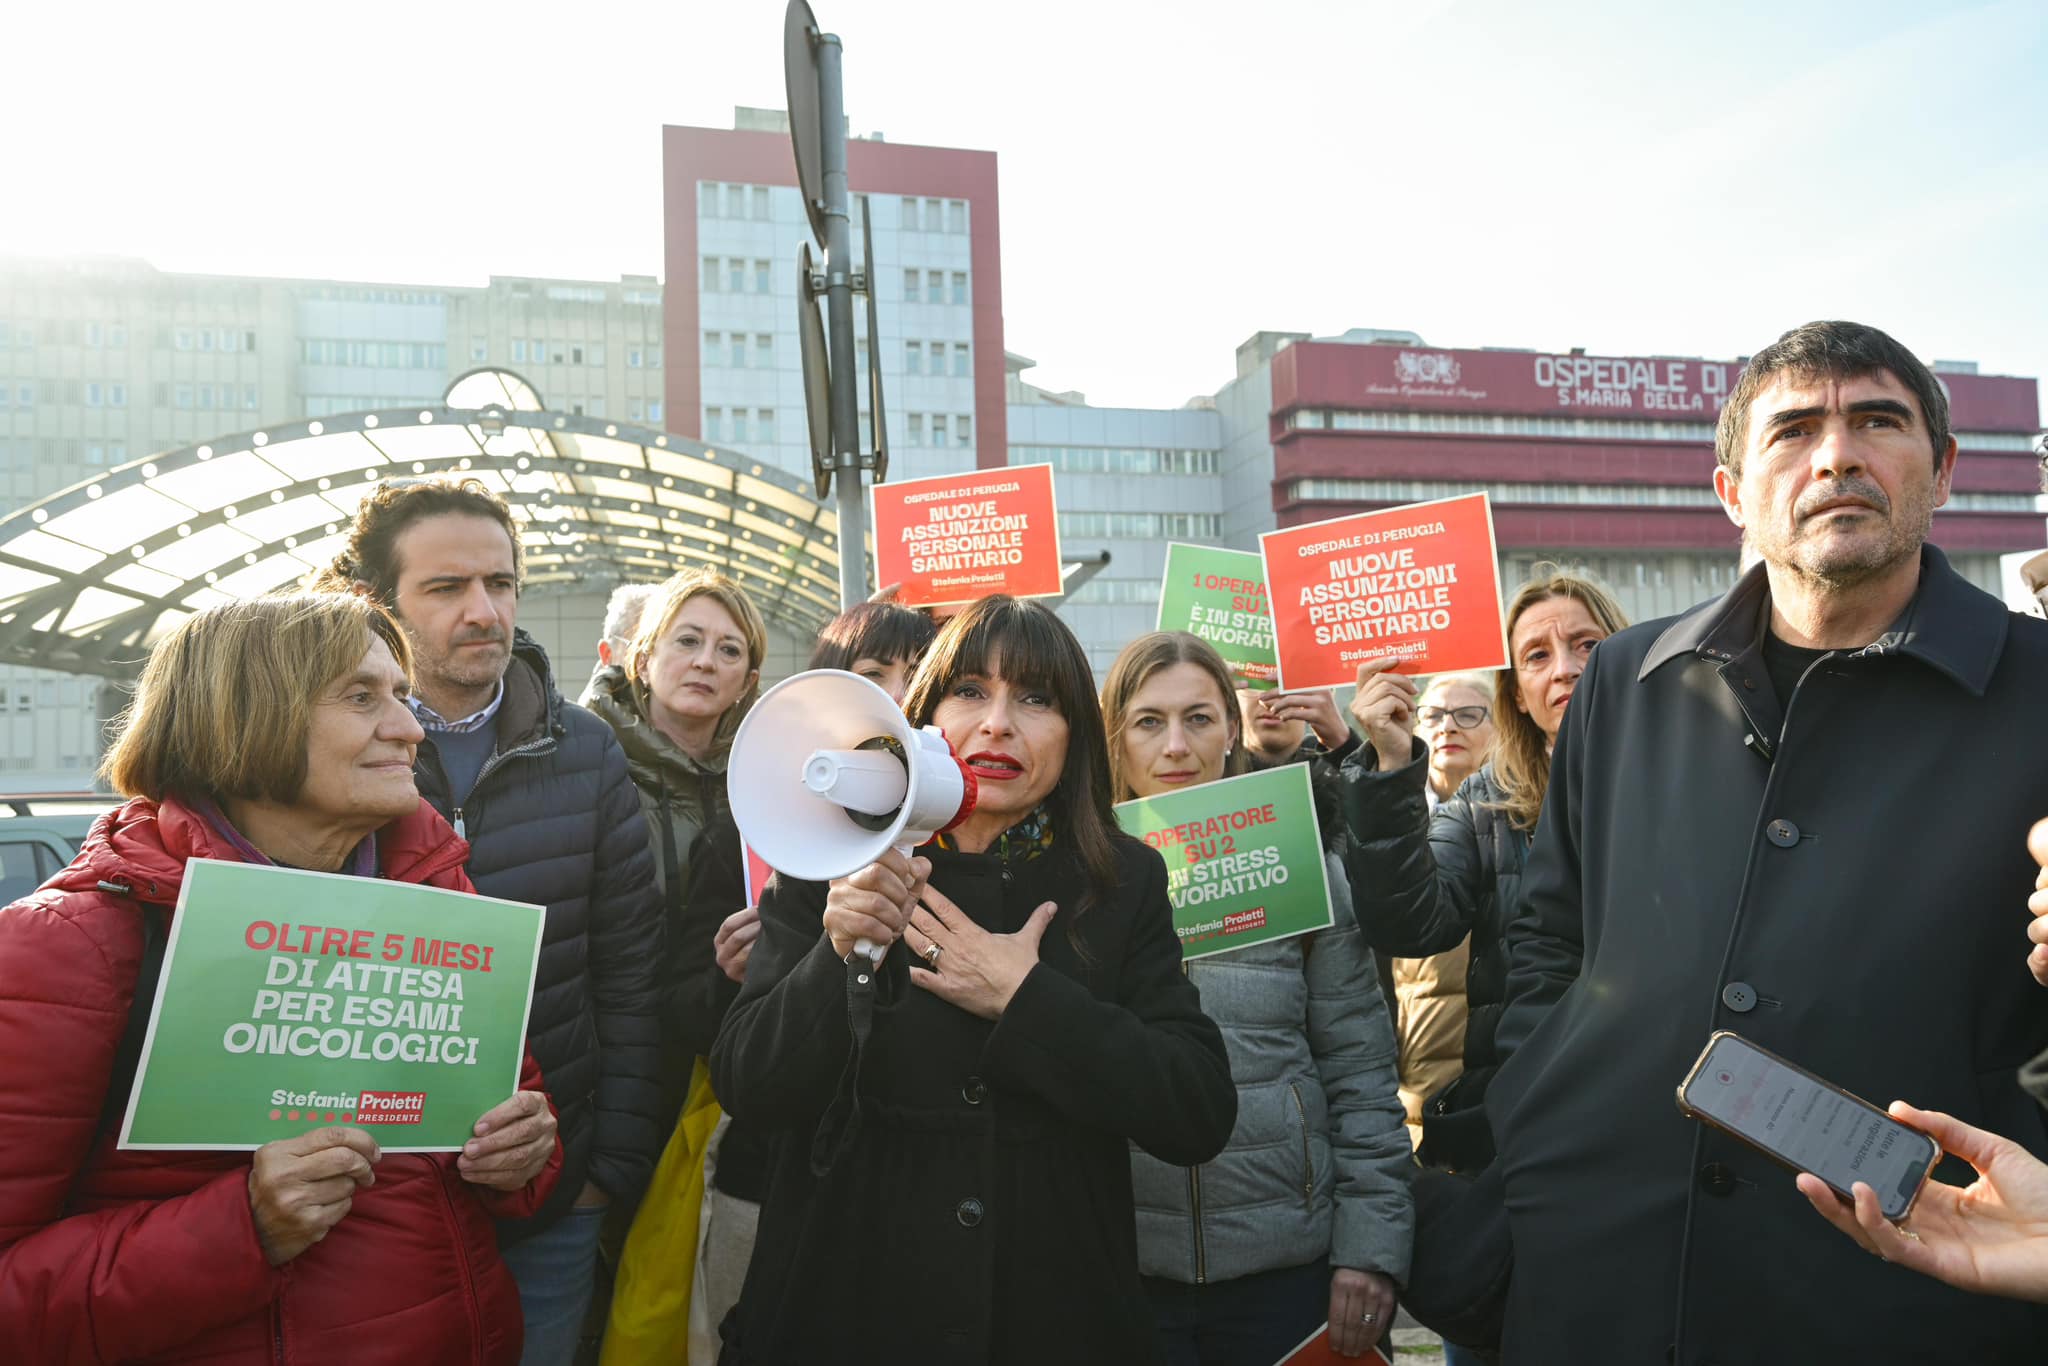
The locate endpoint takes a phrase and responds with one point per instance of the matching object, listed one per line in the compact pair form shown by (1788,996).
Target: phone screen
(1810,1126)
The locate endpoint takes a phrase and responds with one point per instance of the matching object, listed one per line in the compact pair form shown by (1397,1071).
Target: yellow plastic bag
(650,1318)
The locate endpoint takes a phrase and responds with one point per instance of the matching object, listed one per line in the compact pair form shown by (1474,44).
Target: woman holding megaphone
(1305,1217)
(954,1182)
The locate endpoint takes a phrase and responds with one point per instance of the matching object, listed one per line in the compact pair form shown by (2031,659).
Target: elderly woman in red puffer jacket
(268,731)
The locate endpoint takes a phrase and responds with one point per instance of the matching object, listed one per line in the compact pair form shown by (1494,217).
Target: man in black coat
(539,788)
(1798,813)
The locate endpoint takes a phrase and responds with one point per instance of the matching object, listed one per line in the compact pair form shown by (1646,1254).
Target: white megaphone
(827,775)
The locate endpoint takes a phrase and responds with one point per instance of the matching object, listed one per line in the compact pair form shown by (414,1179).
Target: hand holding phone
(1990,1238)
(1791,1115)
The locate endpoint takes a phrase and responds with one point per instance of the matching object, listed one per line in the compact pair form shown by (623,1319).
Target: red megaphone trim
(970,790)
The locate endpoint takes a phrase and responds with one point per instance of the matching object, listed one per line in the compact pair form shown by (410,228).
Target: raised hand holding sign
(1385,706)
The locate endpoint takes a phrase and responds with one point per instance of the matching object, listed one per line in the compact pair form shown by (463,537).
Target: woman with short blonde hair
(689,676)
(675,701)
(741,625)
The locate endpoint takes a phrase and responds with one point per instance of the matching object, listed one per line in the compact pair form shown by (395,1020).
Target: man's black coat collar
(1950,624)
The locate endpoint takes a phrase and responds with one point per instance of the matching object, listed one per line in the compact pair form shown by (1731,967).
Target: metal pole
(853,577)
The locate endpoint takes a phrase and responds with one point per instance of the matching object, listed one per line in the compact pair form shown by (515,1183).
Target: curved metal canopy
(91,577)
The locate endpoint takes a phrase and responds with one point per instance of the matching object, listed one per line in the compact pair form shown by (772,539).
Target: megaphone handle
(868,948)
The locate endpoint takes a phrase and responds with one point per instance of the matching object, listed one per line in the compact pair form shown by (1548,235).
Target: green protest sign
(1244,858)
(1220,596)
(291,1000)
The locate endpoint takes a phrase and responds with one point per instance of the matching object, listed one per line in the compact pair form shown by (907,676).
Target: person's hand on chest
(967,965)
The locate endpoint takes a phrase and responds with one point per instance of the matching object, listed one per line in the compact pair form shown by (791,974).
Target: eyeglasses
(1461,718)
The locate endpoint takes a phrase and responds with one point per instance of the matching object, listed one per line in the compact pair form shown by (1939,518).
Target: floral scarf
(1021,843)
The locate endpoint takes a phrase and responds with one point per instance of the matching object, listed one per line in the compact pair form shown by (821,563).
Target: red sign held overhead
(1420,581)
(956,538)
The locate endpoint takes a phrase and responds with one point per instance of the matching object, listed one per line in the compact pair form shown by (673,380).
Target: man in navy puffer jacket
(538,786)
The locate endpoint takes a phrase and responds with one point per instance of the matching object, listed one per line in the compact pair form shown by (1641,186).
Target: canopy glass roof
(92,576)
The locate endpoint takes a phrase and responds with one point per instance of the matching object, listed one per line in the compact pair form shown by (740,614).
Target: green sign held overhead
(291,1000)
(1220,596)
(1244,858)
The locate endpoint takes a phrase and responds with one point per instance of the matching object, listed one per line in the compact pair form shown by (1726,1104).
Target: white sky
(1619,176)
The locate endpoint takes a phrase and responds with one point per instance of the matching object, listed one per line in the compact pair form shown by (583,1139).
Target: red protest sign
(1420,581)
(955,538)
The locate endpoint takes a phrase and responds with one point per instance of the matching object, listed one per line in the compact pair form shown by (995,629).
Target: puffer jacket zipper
(544,740)
(498,757)
(1308,1168)
(439,1176)
(277,1330)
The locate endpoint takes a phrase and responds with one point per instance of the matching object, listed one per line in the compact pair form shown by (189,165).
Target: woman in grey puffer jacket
(1306,1216)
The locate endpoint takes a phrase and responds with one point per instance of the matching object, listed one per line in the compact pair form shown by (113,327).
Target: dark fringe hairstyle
(1022,642)
(873,630)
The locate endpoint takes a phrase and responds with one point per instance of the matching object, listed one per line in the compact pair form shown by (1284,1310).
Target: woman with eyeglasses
(1454,717)
(1423,881)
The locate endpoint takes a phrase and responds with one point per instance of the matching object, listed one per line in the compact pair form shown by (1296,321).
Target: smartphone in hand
(1807,1124)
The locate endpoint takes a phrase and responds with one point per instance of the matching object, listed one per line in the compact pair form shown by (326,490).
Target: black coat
(683,797)
(1422,881)
(1842,880)
(1326,787)
(981,1209)
(554,820)
(715,887)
